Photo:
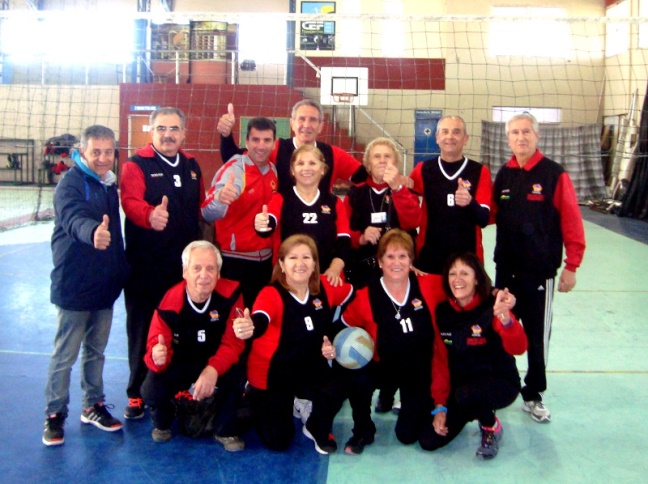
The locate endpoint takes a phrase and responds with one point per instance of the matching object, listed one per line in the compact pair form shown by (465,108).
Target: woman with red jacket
(396,310)
(481,336)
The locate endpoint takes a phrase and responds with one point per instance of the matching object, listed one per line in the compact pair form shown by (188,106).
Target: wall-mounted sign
(138,108)
(317,34)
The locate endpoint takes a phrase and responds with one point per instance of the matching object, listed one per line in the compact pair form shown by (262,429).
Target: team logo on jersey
(318,304)
(466,184)
(326,210)
(505,194)
(447,338)
(536,193)
(387,199)
(214,315)
(273,185)
(194,176)
(477,338)
(417,303)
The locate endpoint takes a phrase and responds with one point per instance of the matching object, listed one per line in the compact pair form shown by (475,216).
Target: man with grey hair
(191,342)
(536,211)
(161,192)
(89,273)
(307,122)
(456,199)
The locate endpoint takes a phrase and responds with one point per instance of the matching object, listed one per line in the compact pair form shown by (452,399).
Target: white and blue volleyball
(354,348)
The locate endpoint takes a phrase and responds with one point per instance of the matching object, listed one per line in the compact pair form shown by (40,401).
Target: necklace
(397,308)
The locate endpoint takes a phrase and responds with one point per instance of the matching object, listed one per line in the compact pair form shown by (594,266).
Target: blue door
(425,145)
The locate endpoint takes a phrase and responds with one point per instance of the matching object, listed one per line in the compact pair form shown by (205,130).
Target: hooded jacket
(85,278)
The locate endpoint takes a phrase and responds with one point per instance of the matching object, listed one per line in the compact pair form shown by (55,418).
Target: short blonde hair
(366,159)
(308,149)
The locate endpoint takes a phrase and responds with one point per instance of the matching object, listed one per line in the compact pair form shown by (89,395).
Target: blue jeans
(90,328)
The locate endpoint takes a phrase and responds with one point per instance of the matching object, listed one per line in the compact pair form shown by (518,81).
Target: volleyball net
(376,75)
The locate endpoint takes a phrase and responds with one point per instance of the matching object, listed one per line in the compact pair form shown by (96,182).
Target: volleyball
(354,348)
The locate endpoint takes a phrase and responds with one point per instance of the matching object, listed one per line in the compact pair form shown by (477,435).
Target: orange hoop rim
(343,97)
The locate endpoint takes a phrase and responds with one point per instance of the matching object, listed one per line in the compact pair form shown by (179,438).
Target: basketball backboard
(353,81)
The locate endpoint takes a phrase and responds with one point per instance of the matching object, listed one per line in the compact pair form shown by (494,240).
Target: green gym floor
(598,386)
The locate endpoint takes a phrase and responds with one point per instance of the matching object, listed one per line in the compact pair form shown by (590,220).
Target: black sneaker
(324,447)
(384,405)
(99,416)
(355,445)
(135,409)
(53,433)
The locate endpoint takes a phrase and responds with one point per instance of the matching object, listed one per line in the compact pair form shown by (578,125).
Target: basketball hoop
(343,97)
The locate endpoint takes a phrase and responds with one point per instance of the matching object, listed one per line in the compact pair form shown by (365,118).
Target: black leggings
(474,400)
(272,411)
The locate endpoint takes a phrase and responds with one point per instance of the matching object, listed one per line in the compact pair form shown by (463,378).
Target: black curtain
(635,200)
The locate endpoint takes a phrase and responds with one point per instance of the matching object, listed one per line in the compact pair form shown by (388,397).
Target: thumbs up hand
(243,325)
(160,216)
(102,234)
(227,121)
(229,192)
(462,195)
(262,220)
(159,352)
(328,350)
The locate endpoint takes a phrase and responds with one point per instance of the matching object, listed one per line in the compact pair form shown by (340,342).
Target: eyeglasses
(163,129)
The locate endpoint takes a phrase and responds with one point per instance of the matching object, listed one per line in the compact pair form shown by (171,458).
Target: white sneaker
(302,409)
(537,410)
(396,407)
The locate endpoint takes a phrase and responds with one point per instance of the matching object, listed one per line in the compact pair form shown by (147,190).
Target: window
(57,38)
(501,114)
(393,34)
(350,30)
(521,36)
(643,27)
(263,40)
(617,35)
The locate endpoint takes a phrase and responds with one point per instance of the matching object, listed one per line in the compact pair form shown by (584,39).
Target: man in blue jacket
(89,272)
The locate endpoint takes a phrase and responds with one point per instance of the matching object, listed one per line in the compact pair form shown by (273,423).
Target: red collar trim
(533,161)
(474,302)
(373,184)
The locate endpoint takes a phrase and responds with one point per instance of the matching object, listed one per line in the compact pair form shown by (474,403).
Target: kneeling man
(191,342)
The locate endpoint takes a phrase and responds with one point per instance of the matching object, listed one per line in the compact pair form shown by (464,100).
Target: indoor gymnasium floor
(598,386)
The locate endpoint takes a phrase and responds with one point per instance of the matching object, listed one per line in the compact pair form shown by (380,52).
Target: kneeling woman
(481,336)
(396,310)
(290,326)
